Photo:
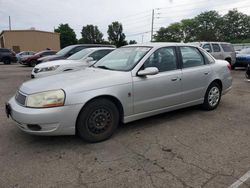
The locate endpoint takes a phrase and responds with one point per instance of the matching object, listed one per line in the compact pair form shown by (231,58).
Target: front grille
(20,98)
(36,70)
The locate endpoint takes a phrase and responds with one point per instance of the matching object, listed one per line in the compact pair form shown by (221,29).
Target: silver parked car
(79,60)
(130,83)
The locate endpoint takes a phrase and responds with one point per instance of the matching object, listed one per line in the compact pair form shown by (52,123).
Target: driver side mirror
(89,59)
(148,71)
(207,49)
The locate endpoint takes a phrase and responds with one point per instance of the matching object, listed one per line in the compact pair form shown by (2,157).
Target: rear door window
(227,47)
(191,57)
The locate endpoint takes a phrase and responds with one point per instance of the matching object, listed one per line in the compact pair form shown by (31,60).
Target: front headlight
(46,99)
(45,69)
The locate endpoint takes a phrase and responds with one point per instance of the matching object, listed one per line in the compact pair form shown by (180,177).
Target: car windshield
(81,54)
(245,51)
(65,50)
(123,59)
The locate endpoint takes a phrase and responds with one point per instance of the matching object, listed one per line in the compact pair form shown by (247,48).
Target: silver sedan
(130,83)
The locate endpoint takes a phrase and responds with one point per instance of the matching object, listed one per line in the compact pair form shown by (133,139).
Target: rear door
(195,74)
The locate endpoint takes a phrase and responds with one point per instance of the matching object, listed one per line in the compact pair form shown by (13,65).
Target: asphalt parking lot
(185,148)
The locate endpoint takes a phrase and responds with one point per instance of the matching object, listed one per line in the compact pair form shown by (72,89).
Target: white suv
(220,50)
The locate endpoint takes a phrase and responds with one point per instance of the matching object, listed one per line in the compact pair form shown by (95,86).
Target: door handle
(174,79)
(206,73)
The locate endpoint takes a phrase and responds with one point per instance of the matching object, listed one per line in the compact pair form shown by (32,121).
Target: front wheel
(32,63)
(212,97)
(98,120)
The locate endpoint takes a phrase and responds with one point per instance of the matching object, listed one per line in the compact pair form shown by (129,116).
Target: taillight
(229,66)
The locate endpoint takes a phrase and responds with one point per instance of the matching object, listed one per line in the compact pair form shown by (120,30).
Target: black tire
(32,63)
(212,97)
(98,120)
(6,61)
(229,61)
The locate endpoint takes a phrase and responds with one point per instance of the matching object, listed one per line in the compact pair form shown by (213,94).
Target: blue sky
(134,14)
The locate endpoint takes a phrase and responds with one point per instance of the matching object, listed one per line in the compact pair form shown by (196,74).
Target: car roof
(160,44)
(203,42)
(94,45)
(101,48)
(46,51)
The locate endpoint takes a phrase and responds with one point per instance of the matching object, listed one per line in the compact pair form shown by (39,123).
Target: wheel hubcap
(99,121)
(213,96)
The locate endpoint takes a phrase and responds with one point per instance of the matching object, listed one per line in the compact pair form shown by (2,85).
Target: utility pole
(9,23)
(142,39)
(152,26)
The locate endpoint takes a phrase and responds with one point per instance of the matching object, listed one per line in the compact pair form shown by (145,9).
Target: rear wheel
(98,120)
(212,97)
(6,61)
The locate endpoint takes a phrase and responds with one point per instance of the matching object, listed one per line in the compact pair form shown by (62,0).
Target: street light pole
(152,26)
(9,23)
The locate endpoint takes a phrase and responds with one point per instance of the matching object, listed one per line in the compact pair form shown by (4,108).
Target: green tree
(189,29)
(208,26)
(91,35)
(132,42)
(172,33)
(116,35)
(236,26)
(67,35)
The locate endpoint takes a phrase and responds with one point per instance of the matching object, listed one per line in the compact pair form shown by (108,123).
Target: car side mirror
(89,59)
(207,49)
(70,54)
(148,71)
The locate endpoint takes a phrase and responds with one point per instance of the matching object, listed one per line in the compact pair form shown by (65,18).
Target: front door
(217,51)
(161,90)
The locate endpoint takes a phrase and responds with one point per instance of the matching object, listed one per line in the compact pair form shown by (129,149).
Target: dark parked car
(7,56)
(70,50)
(248,72)
(243,58)
(32,60)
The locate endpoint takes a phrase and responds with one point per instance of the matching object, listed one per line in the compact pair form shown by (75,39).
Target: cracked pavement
(184,148)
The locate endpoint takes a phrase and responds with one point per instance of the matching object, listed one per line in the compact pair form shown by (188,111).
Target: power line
(140,33)
(181,16)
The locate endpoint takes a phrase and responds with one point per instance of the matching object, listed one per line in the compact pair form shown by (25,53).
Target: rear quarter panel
(222,72)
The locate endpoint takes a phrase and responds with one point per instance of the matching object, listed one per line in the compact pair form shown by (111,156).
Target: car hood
(52,57)
(60,62)
(77,81)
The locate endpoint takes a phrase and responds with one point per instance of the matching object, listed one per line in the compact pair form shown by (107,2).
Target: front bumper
(52,121)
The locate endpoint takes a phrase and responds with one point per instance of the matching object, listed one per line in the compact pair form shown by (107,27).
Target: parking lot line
(240,181)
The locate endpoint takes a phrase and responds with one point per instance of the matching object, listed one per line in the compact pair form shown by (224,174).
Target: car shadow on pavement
(123,129)
(161,118)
